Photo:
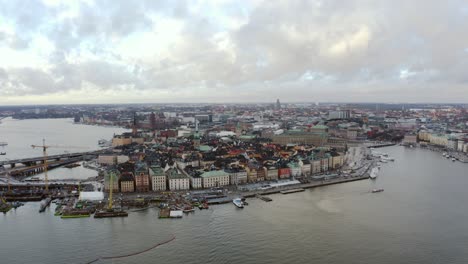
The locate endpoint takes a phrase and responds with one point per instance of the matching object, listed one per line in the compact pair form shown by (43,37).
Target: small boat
(188,209)
(377,190)
(203,206)
(453,159)
(75,214)
(238,202)
(45,204)
(2,153)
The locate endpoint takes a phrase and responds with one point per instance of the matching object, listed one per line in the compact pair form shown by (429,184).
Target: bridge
(31,162)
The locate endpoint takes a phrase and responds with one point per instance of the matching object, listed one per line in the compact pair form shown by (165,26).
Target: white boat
(453,159)
(238,202)
(377,190)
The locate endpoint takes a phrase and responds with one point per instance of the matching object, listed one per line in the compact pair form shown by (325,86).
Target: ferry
(377,190)
(238,202)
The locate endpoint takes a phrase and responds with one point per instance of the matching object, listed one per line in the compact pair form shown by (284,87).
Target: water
(419,218)
(21,134)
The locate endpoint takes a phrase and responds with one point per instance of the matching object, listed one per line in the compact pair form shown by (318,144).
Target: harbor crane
(44,152)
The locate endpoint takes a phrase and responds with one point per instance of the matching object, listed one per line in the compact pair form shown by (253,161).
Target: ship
(75,213)
(238,202)
(2,153)
(377,190)
(58,210)
(110,213)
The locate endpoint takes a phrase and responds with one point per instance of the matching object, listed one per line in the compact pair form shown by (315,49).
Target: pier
(251,194)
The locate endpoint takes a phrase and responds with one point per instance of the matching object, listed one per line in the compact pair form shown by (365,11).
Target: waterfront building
(316,166)
(337,161)
(261,174)
(272,174)
(424,135)
(215,178)
(410,139)
(142,180)
(196,182)
(295,169)
(284,173)
(177,181)
(127,182)
(237,175)
(452,143)
(324,164)
(438,139)
(158,178)
(305,167)
(251,174)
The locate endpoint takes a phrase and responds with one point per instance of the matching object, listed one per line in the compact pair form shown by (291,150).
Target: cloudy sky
(112,51)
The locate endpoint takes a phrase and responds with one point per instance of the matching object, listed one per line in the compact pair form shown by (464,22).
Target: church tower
(134,125)
(196,137)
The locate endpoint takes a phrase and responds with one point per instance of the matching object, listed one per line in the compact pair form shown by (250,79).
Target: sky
(147,51)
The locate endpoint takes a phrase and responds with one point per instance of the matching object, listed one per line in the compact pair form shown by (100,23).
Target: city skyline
(108,52)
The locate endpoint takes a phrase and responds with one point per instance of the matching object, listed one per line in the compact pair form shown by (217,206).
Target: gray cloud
(359,49)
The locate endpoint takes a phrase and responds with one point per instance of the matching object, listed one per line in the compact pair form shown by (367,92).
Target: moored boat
(45,204)
(110,213)
(238,202)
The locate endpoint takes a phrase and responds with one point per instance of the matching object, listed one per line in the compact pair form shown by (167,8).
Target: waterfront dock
(252,194)
(292,191)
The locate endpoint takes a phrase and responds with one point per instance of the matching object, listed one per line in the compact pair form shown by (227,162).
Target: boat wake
(133,254)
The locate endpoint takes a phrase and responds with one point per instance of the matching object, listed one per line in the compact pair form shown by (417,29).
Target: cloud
(229,50)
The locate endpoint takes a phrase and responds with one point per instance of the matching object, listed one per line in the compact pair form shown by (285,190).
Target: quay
(251,194)
(292,191)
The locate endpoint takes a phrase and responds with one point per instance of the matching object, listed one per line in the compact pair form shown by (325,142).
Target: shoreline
(303,186)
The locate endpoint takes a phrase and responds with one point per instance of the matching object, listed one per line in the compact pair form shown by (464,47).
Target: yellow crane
(44,152)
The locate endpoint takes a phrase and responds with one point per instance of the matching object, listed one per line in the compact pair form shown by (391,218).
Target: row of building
(181,176)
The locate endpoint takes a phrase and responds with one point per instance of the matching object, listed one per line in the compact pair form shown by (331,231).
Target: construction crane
(44,152)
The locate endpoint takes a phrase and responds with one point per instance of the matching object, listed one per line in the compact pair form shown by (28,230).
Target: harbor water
(419,218)
(21,134)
